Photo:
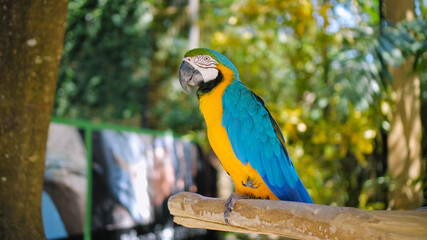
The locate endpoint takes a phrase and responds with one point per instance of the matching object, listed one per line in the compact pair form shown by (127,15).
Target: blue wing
(256,138)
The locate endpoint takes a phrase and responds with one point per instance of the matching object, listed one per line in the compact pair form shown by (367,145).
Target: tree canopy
(320,66)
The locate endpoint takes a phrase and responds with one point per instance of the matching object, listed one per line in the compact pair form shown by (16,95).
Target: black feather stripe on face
(207,87)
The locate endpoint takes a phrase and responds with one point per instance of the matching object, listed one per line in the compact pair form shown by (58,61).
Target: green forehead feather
(215,55)
(197,51)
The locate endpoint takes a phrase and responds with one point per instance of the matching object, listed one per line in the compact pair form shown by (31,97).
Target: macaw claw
(229,205)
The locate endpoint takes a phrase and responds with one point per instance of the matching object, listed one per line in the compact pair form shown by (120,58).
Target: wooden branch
(297,220)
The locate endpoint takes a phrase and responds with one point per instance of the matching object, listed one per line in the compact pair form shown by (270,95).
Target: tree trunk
(31,40)
(404,139)
(194,20)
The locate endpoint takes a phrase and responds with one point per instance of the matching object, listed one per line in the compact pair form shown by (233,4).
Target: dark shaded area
(111,211)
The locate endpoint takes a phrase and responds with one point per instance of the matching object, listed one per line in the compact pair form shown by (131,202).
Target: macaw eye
(204,61)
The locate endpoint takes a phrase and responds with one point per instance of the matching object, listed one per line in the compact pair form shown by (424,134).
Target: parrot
(241,131)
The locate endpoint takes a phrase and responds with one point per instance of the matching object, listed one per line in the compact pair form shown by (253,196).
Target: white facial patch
(208,74)
(206,65)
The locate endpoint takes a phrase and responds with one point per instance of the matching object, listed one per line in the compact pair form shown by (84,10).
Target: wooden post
(297,220)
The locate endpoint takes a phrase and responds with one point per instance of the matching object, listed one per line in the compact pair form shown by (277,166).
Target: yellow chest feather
(212,110)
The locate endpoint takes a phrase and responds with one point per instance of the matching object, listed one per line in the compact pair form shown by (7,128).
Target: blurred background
(345,79)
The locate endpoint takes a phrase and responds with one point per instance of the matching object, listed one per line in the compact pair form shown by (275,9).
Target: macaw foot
(229,205)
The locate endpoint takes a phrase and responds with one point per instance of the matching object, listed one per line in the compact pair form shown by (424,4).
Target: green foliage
(106,47)
(311,76)
(321,68)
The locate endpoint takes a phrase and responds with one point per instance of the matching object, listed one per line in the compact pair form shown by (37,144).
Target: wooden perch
(297,220)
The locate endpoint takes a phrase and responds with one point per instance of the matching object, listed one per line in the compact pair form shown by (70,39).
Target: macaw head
(205,68)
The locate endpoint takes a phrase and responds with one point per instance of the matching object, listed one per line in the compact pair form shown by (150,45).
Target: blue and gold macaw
(243,134)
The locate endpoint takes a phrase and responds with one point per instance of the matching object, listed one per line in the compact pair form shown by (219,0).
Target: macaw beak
(189,75)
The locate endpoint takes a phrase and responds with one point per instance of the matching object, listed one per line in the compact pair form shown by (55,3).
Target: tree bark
(404,139)
(31,40)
